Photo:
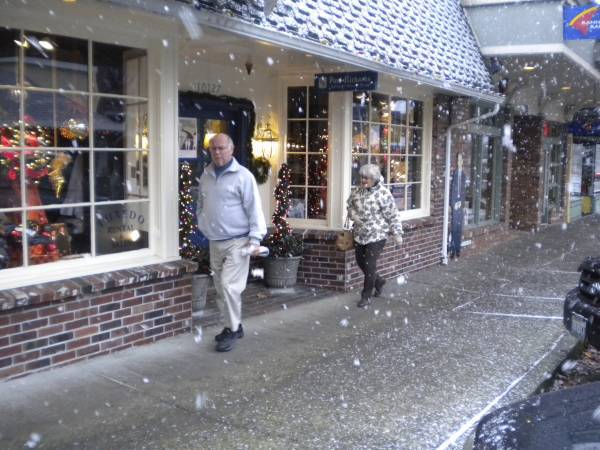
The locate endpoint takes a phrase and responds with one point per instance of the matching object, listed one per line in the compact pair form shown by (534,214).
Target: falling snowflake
(388,313)
(258,272)
(356,362)
(596,414)
(34,440)
(344,323)
(270,61)
(284,306)
(401,279)
(201,400)
(165,42)
(568,365)
(198,334)
(538,245)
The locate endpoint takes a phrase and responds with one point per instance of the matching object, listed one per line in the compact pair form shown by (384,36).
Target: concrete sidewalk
(414,371)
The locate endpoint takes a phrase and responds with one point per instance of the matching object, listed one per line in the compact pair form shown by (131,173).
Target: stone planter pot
(281,272)
(199,290)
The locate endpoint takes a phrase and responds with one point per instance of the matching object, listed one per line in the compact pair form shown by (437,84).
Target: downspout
(447,174)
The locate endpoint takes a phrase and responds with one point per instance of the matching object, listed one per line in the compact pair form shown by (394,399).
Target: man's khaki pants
(230,273)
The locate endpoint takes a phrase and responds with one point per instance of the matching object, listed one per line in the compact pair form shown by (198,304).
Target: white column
(163,112)
(340,156)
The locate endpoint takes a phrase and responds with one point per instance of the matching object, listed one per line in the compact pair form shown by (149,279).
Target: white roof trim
(539,49)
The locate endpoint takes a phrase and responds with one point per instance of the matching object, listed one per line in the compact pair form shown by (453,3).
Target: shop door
(553,160)
(204,115)
(587,181)
(201,116)
(484,189)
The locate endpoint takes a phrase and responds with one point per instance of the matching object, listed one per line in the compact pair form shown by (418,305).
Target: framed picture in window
(188,137)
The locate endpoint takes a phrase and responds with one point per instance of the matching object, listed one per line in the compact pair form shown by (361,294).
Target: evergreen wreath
(261,169)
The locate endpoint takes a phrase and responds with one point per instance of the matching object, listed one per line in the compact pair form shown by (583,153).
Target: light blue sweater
(229,205)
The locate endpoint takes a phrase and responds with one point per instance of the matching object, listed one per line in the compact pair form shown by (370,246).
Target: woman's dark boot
(364,301)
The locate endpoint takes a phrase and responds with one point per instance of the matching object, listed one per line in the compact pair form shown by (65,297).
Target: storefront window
(73,150)
(484,181)
(388,131)
(307,152)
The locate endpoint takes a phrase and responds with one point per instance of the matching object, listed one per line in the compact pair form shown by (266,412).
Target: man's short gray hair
(370,171)
(227,137)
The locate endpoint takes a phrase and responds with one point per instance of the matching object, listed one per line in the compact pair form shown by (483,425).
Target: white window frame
(107,25)
(340,146)
(305,80)
(408,94)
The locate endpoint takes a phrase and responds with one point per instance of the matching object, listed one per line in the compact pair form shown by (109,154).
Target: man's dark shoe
(227,343)
(379,286)
(364,301)
(227,331)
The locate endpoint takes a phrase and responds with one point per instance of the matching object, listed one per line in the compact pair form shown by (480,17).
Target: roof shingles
(430,38)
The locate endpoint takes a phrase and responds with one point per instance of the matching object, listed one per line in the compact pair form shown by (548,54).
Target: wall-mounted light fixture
(265,140)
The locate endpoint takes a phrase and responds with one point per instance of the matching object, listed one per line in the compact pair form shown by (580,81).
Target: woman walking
(373,212)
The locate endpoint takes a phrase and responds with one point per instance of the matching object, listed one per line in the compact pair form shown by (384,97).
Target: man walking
(230,216)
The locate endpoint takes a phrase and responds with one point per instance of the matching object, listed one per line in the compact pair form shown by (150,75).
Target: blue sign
(581,22)
(586,122)
(346,81)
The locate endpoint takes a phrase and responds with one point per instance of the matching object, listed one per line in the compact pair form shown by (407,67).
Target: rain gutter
(449,131)
(237,26)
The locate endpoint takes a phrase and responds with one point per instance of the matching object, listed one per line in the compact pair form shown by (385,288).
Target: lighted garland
(186,213)
(190,239)
(282,242)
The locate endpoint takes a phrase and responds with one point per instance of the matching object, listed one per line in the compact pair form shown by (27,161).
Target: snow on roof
(429,38)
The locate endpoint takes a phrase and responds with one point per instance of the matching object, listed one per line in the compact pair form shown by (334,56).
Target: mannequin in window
(457,198)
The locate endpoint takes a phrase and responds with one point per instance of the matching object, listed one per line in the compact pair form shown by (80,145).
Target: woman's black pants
(366,258)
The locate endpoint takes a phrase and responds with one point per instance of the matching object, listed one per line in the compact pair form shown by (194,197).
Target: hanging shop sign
(346,81)
(581,22)
(586,122)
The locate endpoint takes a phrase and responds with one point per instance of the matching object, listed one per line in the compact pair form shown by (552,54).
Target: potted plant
(285,247)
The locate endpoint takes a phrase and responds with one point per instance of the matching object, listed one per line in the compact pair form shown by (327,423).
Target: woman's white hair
(370,171)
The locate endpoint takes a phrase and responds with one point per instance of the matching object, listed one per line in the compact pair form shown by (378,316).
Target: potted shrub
(285,247)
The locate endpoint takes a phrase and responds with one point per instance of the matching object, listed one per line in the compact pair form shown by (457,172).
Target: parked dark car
(581,312)
(566,419)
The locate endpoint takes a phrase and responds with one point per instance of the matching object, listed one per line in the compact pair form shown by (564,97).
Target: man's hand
(254,249)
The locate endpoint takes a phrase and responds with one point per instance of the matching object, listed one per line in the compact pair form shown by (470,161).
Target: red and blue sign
(581,22)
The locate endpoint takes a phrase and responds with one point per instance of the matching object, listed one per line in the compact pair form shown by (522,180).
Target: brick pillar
(526,176)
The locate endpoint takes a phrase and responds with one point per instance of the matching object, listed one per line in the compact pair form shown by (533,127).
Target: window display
(307,152)
(483,188)
(50,149)
(389,131)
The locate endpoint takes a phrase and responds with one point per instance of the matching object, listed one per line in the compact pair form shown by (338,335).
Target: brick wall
(44,335)
(526,182)
(324,266)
